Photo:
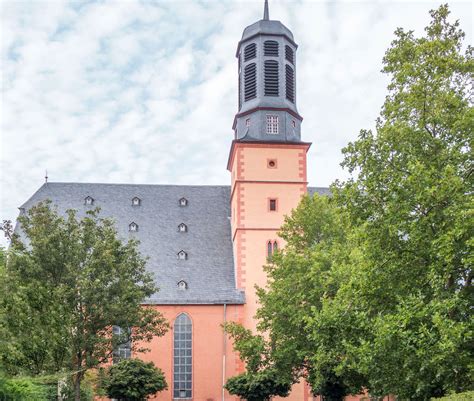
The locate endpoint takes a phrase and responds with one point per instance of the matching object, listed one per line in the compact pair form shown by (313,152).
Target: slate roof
(209,268)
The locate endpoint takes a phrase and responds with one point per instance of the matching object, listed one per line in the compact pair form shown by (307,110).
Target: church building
(207,245)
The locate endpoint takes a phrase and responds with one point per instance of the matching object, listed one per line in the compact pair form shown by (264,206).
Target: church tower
(267,158)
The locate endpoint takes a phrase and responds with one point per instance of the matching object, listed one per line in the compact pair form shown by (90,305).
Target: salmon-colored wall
(254,183)
(210,350)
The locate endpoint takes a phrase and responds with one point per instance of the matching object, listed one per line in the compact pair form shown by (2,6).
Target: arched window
(250,51)
(250,81)
(269,249)
(89,201)
(183,202)
(290,83)
(133,227)
(289,54)
(182,228)
(270,48)
(182,372)
(272,247)
(136,201)
(271,78)
(182,255)
(182,285)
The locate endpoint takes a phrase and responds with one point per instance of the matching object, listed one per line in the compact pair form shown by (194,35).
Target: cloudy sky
(145,91)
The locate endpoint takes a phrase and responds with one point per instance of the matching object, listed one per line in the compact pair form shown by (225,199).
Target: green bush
(133,380)
(25,389)
(467,396)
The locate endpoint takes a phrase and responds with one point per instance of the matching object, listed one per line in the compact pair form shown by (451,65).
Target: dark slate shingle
(209,270)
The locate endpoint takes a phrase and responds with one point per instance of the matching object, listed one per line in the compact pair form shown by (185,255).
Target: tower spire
(266,16)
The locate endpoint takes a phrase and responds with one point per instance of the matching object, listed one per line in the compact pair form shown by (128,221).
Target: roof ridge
(132,184)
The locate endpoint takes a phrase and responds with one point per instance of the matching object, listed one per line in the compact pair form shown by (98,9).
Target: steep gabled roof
(209,269)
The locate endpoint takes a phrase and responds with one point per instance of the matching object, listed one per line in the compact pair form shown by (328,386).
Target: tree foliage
(133,380)
(297,309)
(374,289)
(66,283)
(262,380)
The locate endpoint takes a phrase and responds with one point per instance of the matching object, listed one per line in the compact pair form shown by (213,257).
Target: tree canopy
(374,288)
(262,380)
(66,282)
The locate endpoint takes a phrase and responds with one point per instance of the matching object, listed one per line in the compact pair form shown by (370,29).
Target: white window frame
(272,124)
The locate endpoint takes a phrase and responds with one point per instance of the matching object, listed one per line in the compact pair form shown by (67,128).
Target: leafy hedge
(467,396)
(25,389)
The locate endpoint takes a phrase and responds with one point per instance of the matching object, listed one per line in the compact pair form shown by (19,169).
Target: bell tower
(267,158)
(266,57)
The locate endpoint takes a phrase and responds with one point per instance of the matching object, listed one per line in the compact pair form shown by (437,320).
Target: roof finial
(46,176)
(266,16)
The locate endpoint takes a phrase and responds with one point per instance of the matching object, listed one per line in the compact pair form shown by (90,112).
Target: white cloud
(142,92)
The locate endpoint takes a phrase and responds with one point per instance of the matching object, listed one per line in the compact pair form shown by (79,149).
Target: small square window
(272,205)
(272,124)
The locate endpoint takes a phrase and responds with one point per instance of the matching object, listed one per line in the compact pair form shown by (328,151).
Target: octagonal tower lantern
(267,110)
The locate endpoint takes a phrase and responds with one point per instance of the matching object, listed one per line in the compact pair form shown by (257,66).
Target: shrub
(24,389)
(133,380)
(467,396)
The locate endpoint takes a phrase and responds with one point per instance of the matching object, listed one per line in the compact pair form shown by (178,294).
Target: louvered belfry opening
(271,78)
(240,83)
(289,54)
(270,48)
(250,81)
(290,83)
(250,51)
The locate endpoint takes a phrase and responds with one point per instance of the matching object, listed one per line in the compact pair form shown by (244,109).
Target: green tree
(133,380)
(308,337)
(64,287)
(262,380)
(412,193)
(374,289)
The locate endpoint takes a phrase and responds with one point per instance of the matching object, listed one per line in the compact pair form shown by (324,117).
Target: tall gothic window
(290,83)
(250,81)
(182,379)
(270,70)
